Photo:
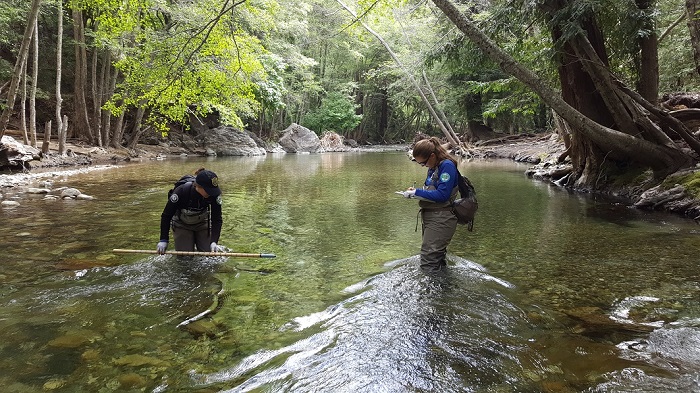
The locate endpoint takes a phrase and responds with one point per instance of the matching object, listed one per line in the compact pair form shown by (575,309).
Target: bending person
(439,191)
(193,212)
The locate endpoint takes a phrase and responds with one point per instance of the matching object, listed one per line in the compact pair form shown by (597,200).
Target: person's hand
(410,193)
(161,247)
(216,248)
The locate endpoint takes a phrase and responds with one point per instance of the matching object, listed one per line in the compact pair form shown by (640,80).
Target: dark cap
(209,182)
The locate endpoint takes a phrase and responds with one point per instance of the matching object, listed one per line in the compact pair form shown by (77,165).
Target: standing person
(439,191)
(194,213)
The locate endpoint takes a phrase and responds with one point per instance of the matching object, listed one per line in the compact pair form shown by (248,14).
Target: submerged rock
(137,360)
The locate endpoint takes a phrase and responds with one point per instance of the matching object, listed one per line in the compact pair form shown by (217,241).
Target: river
(552,292)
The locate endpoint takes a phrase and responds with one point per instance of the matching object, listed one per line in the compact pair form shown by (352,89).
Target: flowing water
(552,292)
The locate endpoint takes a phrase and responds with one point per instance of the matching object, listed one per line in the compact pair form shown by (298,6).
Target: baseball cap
(209,182)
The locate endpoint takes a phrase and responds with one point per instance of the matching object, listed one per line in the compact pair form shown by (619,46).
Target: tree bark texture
(648,85)
(47,138)
(21,59)
(80,108)
(35,78)
(693,9)
(59,66)
(96,102)
(23,106)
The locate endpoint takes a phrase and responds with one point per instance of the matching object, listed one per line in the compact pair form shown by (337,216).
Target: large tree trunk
(593,133)
(82,121)
(692,8)
(648,85)
(21,60)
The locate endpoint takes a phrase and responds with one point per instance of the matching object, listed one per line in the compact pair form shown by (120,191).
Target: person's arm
(216,220)
(445,183)
(167,215)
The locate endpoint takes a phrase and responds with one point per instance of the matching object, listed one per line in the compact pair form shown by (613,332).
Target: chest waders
(192,227)
(438,227)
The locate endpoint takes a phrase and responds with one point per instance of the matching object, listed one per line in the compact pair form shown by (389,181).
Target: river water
(552,292)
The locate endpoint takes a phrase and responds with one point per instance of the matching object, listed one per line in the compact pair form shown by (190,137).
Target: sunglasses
(424,162)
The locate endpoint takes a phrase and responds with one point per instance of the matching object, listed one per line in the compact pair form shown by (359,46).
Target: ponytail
(426,147)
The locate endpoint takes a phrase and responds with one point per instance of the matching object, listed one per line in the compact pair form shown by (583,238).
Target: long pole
(196,253)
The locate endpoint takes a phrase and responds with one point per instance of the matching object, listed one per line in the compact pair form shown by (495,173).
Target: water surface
(552,292)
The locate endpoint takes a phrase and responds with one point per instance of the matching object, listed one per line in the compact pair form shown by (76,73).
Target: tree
(336,113)
(612,127)
(21,60)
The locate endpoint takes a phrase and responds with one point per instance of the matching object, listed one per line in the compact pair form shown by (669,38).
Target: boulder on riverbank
(229,141)
(16,155)
(299,139)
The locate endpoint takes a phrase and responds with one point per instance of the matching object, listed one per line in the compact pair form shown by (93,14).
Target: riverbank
(675,195)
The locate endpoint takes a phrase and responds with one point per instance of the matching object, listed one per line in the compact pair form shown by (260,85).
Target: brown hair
(425,147)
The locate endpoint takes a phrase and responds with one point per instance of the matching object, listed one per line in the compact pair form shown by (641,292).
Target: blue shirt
(447,180)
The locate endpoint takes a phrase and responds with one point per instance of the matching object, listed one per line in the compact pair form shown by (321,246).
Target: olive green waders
(439,225)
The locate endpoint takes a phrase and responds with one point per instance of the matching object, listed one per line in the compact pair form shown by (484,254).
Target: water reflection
(565,292)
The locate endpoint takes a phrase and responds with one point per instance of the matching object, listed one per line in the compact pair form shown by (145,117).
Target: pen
(414,185)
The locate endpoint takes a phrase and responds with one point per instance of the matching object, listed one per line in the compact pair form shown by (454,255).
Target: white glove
(409,193)
(213,247)
(161,247)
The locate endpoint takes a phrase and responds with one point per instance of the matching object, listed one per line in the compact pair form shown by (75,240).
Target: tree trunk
(47,138)
(35,78)
(23,106)
(692,8)
(662,159)
(138,131)
(59,66)
(81,118)
(107,115)
(21,59)
(648,85)
(96,101)
(62,135)
(119,130)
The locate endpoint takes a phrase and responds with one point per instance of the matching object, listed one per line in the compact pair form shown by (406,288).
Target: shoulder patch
(219,200)
(445,177)
(174,198)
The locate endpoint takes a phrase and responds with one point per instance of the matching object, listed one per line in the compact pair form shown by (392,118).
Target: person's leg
(438,229)
(184,239)
(202,239)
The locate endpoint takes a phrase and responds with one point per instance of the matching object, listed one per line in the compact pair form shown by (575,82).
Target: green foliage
(181,56)
(336,113)
(13,18)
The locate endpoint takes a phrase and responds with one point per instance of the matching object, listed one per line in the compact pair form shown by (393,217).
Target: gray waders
(190,230)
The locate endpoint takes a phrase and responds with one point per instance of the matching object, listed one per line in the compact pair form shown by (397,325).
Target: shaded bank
(678,193)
